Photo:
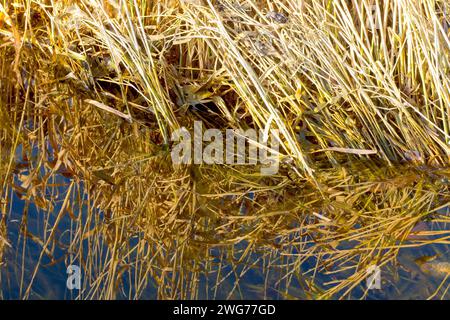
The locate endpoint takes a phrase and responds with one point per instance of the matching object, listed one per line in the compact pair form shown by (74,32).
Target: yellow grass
(359,90)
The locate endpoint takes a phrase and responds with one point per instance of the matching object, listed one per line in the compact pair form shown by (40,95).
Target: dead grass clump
(91,90)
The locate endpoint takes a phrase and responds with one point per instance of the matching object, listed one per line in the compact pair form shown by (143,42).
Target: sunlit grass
(359,90)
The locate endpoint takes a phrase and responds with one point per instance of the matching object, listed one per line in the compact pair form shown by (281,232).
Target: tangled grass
(359,90)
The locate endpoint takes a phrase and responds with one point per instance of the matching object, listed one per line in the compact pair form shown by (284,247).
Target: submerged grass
(359,90)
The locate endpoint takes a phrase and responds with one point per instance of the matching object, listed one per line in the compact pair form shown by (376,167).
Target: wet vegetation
(90,92)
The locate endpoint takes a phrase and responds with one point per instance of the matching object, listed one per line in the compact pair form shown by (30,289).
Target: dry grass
(92,90)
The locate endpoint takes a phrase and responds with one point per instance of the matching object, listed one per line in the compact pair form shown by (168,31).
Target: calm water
(405,280)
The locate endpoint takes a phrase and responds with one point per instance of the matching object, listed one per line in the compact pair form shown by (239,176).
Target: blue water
(405,280)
